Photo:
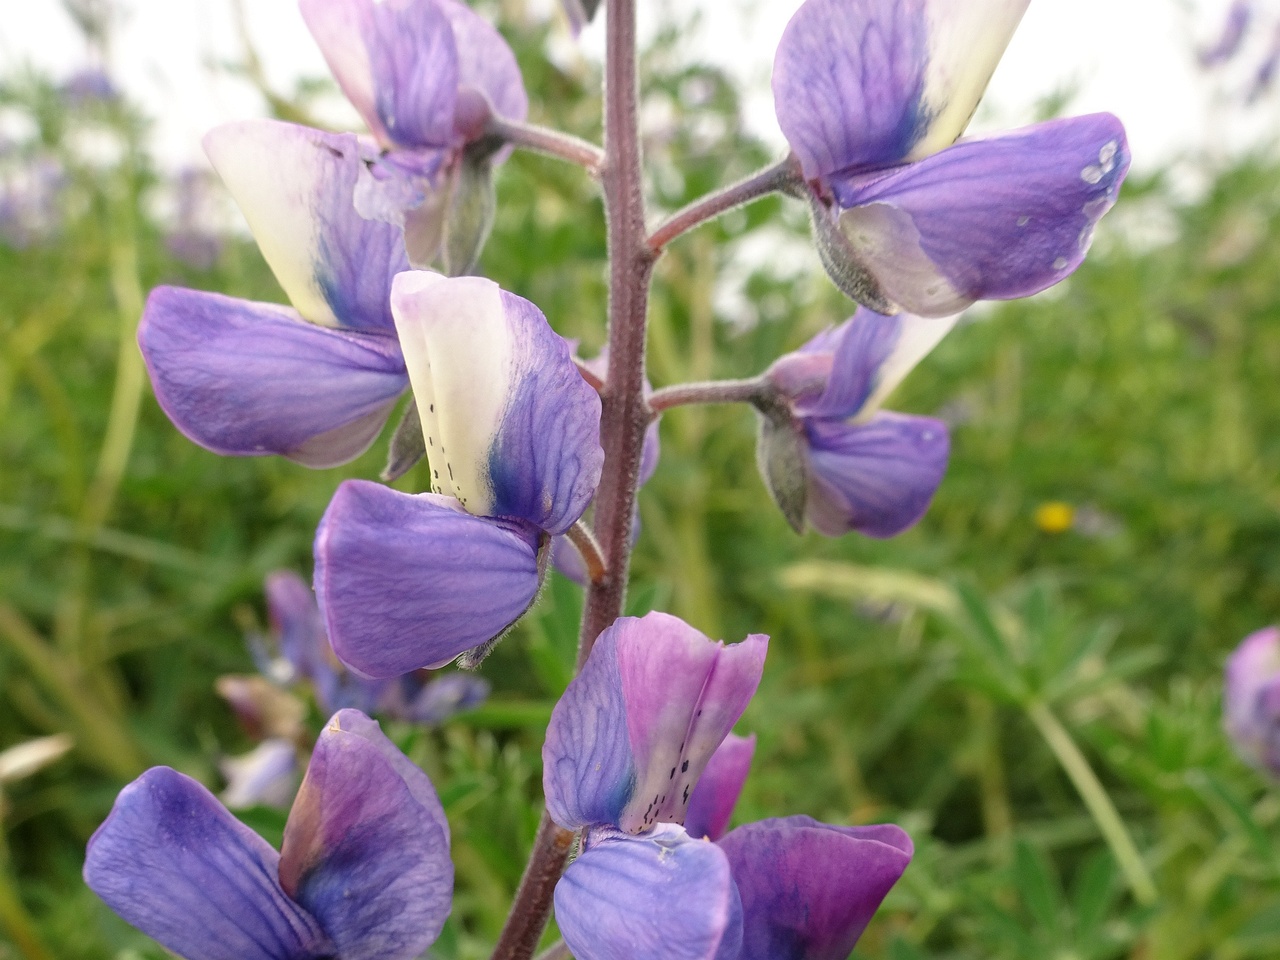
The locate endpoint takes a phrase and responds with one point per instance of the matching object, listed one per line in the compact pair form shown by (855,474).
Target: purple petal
(683,695)
(486,63)
(512,429)
(633,732)
(366,848)
(296,187)
(809,889)
(1250,710)
(174,863)
(660,896)
(713,799)
(406,581)
(989,219)
(876,477)
(397,63)
(249,379)
(860,84)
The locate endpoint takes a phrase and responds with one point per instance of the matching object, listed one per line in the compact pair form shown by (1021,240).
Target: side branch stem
(585,542)
(782,175)
(624,417)
(712,391)
(553,143)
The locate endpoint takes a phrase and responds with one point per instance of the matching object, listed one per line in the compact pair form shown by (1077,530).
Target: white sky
(1132,57)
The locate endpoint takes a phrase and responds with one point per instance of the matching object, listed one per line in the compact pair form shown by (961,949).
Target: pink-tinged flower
(1251,699)
(512,433)
(872,96)
(363,874)
(425,76)
(829,455)
(639,745)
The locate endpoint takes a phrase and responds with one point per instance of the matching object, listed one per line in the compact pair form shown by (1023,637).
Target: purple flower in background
(266,776)
(92,85)
(31,194)
(1234,28)
(829,455)
(512,439)
(871,95)
(1251,699)
(304,655)
(314,383)
(425,75)
(363,874)
(193,239)
(638,745)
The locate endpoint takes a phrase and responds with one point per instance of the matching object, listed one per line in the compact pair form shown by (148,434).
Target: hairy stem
(552,143)
(781,176)
(624,417)
(1097,800)
(711,391)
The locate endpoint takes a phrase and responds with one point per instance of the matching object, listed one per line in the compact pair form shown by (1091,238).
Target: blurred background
(1028,681)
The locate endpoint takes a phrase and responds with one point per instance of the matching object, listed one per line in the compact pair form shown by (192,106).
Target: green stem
(1098,801)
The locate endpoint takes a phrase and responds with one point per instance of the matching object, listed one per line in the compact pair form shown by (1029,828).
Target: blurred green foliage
(1037,703)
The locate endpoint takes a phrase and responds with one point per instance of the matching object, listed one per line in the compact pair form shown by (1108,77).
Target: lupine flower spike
(640,745)
(871,95)
(512,436)
(363,874)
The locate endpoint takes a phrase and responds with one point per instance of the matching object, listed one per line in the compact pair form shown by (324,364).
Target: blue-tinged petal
(410,581)
(711,805)
(875,477)
(809,889)
(512,429)
(249,379)
(989,219)
(397,63)
(296,187)
(661,896)
(174,863)
(366,849)
(588,768)
(683,694)
(861,84)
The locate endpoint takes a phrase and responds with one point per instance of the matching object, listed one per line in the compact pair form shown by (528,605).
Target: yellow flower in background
(1054,516)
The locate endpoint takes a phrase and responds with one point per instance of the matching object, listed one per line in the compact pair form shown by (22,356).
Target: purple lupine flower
(638,745)
(91,85)
(1251,699)
(363,873)
(1234,28)
(829,455)
(871,95)
(512,439)
(425,76)
(304,655)
(314,383)
(192,239)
